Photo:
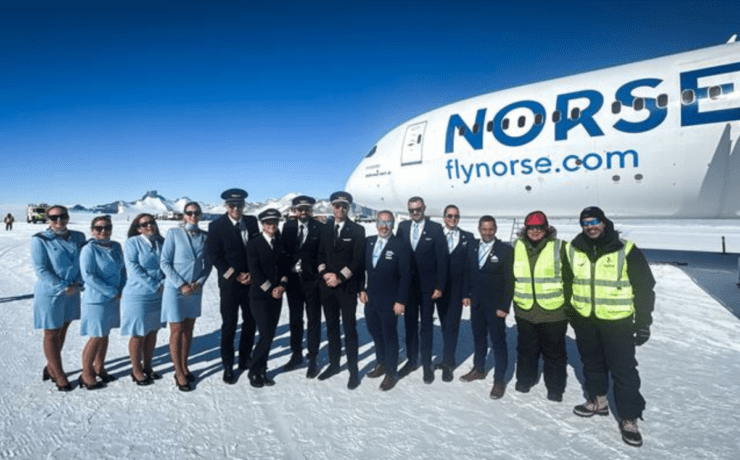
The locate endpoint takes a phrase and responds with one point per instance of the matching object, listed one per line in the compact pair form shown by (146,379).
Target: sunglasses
(148,223)
(193,213)
(536,228)
(590,222)
(101,228)
(340,205)
(452,216)
(415,210)
(58,217)
(385,223)
(235,205)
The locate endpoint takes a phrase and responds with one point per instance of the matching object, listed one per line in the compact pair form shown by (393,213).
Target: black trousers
(449,308)
(485,323)
(419,340)
(341,301)
(233,299)
(547,340)
(266,313)
(608,347)
(302,293)
(382,324)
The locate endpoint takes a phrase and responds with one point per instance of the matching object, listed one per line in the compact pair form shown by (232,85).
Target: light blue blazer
(57,266)
(183,262)
(141,304)
(104,273)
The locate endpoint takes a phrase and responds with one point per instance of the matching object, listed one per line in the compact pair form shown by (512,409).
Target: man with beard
(611,304)
(300,239)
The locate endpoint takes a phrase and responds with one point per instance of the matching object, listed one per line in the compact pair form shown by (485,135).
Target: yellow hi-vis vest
(603,287)
(547,284)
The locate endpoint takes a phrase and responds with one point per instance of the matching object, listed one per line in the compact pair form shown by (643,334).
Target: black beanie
(593,211)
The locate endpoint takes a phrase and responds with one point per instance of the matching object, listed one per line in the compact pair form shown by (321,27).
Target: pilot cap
(536,218)
(593,211)
(340,197)
(269,214)
(303,200)
(234,195)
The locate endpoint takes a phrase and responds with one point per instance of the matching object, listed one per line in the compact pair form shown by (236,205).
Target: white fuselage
(655,138)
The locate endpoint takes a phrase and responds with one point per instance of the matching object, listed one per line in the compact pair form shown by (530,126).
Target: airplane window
(662,100)
(505,123)
(475,128)
(371,152)
(418,139)
(687,96)
(461,130)
(528,188)
(639,103)
(489,126)
(616,107)
(520,122)
(575,113)
(615,178)
(715,92)
(538,119)
(556,116)
(638,176)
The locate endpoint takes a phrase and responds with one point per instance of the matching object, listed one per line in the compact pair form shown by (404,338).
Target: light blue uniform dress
(57,265)
(105,275)
(141,304)
(183,262)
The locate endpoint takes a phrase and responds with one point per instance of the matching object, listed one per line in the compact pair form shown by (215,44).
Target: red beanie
(535,218)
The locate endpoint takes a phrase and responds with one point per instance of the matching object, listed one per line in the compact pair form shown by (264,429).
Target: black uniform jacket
(226,249)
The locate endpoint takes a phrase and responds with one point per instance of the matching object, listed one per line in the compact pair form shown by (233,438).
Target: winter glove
(642,335)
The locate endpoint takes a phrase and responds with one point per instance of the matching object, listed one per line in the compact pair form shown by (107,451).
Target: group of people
(599,283)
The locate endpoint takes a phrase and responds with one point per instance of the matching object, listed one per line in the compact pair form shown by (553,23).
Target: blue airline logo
(690,114)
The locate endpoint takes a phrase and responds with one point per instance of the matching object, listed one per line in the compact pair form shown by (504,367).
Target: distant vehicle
(36,213)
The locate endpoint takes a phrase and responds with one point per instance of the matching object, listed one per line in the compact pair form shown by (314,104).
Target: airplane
(648,139)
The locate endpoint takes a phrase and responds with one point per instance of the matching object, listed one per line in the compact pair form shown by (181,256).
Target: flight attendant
(104,273)
(186,269)
(55,254)
(141,303)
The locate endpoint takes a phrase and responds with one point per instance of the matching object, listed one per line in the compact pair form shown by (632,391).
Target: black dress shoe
(229,376)
(267,380)
(64,388)
(379,371)
(447,375)
(188,386)
(388,382)
(256,380)
(313,370)
(428,375)
(45,375)
(497,392)
(329,372)
(152,374)
(354,381)
(143,382)
(407,368)
(295,361)
(95,386)
(107,378)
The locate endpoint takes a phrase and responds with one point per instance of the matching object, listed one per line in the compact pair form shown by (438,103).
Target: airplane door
(413,144)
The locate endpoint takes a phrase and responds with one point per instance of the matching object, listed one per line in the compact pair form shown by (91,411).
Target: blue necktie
(378,250)
(482,255)
(451,240)
(416,235)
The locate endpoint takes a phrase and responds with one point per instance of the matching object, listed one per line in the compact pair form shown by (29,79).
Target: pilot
(340,266)
(450,305)
(489,289)
(227,248)
(539,306)
(269,269)
(385,294)
(429,275)
(610,286)
(300,238)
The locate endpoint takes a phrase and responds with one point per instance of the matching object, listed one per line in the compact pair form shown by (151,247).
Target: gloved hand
(642,334)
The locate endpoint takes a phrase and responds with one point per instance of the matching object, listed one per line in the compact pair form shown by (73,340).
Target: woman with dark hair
(104,273)
(141,303)
(186,269)
(55,254)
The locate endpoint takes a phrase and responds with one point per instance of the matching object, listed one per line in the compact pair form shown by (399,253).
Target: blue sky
(103,100)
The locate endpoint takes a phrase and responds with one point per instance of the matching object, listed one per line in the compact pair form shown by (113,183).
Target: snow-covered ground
(690,370)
